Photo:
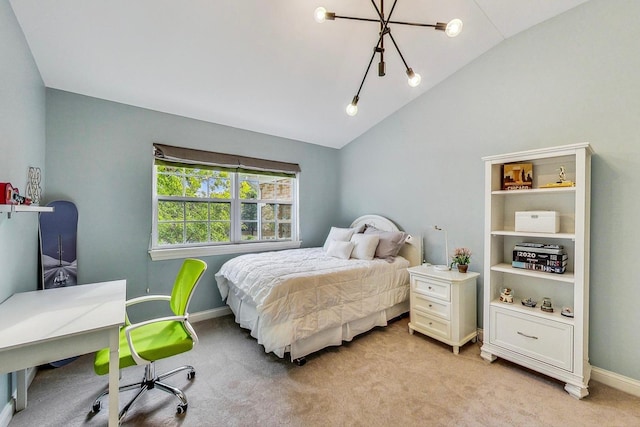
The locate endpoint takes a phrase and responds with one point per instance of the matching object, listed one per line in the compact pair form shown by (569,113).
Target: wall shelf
(9,209)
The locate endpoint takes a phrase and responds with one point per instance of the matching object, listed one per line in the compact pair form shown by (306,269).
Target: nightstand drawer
(431,326)
(431,307)
(432,288)
(542,339)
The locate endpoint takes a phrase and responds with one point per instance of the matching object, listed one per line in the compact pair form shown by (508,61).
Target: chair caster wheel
(96,407)
(300,361)
(191,375)
(181,409)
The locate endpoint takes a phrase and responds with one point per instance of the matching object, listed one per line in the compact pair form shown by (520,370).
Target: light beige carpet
(383,378)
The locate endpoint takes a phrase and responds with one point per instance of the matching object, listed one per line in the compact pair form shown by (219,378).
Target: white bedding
(298,293)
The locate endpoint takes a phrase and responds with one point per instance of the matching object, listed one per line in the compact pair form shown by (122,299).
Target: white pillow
(341,234)
(364,245)
(340,249)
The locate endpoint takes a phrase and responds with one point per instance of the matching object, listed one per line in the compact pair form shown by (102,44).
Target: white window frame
(235,246)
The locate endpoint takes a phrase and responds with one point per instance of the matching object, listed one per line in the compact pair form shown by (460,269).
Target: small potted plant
(461,257)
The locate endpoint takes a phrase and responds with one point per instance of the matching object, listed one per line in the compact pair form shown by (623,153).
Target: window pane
(249,211)
(170,211)
(249,186)
(220,231)
(219,185)
(220,211)
(197,232)
(268,231)
(267,211)
(170,233)
(267,191)
(284,190)
(249,230)
(284,212)
(170,184)
(284,231)
(197,211)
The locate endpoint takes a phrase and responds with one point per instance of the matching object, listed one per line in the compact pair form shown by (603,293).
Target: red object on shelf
(7,194)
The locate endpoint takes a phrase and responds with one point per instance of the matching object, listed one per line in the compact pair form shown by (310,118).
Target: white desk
(39,327)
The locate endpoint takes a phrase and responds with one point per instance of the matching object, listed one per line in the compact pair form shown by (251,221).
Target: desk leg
(114,377)
(21,392)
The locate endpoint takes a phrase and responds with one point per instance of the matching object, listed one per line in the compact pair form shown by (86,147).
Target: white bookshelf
(549,343)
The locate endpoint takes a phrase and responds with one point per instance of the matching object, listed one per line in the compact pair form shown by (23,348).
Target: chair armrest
(144,298)
(127,331)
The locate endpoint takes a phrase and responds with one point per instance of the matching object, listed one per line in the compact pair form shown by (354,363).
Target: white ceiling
(261,65)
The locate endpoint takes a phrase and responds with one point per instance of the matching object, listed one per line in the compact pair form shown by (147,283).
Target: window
(219,206)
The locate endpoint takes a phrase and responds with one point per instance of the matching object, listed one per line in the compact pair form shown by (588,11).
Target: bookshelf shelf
(570,236)
(567,277)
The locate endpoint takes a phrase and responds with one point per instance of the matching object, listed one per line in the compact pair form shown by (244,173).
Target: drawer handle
(528,336)
(430,288)
(430,306)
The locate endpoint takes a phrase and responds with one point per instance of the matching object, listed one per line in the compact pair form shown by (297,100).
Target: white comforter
(302,291)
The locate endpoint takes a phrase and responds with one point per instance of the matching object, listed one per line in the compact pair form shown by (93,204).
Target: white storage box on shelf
(538,221)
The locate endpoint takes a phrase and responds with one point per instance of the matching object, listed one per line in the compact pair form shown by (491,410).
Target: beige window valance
(187,157)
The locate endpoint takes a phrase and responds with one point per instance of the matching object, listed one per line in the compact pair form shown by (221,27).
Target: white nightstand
(443,305)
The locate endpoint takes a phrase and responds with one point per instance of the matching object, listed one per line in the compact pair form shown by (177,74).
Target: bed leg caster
(300,361)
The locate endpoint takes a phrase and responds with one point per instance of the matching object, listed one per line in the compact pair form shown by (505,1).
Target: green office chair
(145,342)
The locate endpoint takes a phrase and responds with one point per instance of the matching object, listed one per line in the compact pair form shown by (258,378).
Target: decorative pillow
(341,234)
(390,242)
(364,245)
(359,229)
(340,249)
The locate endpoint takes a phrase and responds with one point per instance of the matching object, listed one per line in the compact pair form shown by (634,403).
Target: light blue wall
(22,139)
(574,78)
(99,155)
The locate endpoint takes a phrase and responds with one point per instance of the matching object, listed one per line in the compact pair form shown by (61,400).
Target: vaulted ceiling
(262,65)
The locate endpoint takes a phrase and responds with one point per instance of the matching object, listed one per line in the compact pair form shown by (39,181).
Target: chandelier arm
(375,50)
(368,68)
(414,24)
(380,13)
(398,49)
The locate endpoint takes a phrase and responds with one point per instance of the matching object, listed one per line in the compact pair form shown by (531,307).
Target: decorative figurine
(546,305)
(562,180)
(562,176)
(34,191)
(506,295)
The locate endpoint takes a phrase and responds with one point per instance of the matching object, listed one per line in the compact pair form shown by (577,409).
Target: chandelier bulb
(321,15)
(454,27)
(413,78)
(352,109)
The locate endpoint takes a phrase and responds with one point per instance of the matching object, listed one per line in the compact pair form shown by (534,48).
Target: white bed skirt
(247,317)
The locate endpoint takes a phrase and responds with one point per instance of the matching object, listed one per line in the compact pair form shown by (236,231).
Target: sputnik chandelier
(451,29)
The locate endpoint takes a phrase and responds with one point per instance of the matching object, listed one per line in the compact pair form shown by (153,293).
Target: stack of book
(540,257)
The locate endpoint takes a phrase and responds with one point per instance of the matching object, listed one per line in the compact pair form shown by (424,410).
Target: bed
(299,301)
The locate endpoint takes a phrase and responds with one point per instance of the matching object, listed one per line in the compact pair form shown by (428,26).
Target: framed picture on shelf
(517,176)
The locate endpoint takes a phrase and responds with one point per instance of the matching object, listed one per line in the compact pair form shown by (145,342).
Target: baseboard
(209,314)
(617,381)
